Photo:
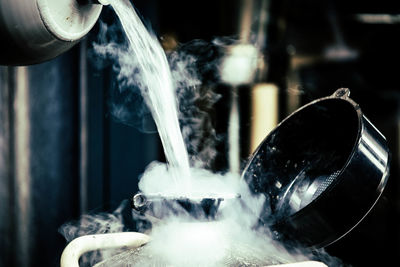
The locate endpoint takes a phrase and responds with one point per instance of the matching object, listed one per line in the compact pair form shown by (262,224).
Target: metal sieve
(321,170)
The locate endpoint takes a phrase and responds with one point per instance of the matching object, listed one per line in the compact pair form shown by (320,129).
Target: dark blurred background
(62,154)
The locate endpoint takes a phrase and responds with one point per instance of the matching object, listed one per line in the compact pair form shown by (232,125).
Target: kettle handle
(77,247)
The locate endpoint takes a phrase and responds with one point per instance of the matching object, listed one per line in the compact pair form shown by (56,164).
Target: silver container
(33,31)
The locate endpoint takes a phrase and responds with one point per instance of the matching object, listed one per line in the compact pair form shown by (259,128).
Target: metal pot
(33,31)
(239,254)
(322,169)
(202,208)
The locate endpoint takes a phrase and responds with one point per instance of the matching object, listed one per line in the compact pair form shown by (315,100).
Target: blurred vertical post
(245,23)
(22,172)
(233,133)
(264,97)
(38,166)
(83,128)
(264,112)
(6,183)
(15,174)
(246,56)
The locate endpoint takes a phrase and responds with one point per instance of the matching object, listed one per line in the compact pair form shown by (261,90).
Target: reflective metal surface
(198,208)
(239,254)
(322,170)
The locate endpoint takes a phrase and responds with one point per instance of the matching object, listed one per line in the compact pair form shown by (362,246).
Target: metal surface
(239,254)
(36,31)
(161,207)
(322,170)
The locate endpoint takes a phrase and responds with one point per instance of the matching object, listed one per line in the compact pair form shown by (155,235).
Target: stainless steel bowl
(321,169)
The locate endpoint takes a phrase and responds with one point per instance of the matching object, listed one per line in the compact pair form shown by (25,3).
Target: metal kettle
(33,31)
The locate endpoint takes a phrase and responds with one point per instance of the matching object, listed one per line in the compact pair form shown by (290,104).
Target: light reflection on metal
(378,153)
(371,157)
(372,150)
(22,165)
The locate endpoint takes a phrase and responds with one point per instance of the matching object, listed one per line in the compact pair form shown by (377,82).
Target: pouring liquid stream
(157,89)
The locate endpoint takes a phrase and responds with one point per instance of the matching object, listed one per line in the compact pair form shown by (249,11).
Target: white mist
(178,241)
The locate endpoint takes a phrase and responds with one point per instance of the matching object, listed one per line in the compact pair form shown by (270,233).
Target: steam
(232,239)
(181,240)
(186,82)
(125,102)
(195,73)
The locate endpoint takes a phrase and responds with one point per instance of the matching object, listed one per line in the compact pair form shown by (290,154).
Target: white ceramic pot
(33,31)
